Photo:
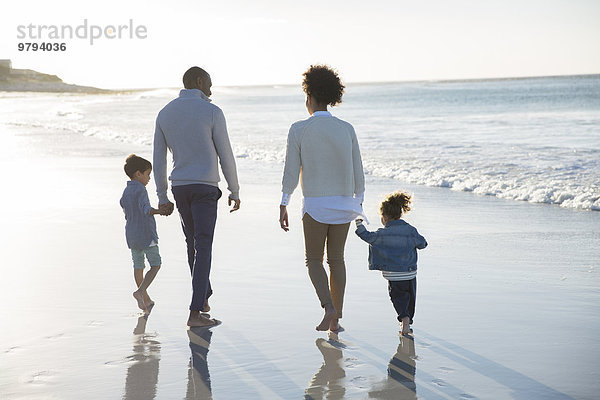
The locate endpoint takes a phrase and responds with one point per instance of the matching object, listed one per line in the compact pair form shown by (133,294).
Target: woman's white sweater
(323,153)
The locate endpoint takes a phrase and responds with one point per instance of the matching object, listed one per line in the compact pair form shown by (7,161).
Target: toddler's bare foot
(140,299)
(405,326)
(201,320)
(330,314)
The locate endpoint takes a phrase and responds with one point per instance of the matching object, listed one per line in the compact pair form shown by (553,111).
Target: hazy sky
(274,41)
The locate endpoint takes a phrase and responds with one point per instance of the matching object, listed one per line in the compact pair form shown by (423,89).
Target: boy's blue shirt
(140,226)
(394,247)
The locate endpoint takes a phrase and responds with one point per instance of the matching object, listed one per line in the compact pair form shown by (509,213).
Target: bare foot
(206,307)
(405,326)
(337,328)
(330,314)
(201,320)
(149,306)
(140,299)
(334,325)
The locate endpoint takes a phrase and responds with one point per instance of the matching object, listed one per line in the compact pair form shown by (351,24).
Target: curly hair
(135,163)
(324,84)
(395,204)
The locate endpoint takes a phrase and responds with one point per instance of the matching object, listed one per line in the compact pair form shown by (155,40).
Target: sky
(274,41)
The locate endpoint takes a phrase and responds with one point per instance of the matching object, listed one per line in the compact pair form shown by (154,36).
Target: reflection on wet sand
(328,382)
(400,382)
(142,374)
(198,376)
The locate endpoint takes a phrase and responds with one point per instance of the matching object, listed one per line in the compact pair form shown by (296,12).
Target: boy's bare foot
(405,326)
(201,320)
(140,299)
(206,307)
(149,306)
(330,314)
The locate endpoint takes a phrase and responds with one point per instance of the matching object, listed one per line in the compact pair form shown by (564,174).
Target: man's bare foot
(201,320)
(330,314)
(405,326)
(206,307)
(140,299)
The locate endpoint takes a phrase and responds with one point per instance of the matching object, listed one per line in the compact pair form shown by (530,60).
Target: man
(194,130)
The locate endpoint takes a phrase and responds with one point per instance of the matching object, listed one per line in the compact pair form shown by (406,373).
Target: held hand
(283,218)
(236,204)
(166,208)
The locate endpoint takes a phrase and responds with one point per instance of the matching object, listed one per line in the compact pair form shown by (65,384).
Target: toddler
(393,250)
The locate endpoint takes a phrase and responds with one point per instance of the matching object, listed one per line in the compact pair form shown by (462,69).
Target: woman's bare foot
(405,326)
(197,319)
(140,300)
(334,325)
(330,314)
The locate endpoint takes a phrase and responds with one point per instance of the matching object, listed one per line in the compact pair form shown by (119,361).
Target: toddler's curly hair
(395,205)
(323,83)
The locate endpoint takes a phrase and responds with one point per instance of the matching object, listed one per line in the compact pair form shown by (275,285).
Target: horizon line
(446,80)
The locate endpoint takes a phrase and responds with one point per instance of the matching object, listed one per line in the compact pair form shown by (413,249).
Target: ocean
(530,139)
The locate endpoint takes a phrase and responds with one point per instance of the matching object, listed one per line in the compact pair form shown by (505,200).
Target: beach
(508,303)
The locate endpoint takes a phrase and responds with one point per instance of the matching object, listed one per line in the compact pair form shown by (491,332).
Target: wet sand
(507,304)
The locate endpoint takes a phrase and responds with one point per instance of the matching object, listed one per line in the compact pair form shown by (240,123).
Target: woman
(324,151)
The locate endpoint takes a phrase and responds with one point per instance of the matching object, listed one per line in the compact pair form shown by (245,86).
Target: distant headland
(27,80)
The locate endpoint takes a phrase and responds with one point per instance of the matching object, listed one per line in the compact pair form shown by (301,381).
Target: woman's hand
(283,218)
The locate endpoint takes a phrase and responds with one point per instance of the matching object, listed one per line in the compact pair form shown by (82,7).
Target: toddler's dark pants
(403,295)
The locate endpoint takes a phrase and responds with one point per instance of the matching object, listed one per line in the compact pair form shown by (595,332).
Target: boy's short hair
(324,84)
(395,204)
(135,163)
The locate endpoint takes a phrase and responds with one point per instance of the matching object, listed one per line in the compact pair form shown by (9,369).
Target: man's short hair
(191,77)
(135,163)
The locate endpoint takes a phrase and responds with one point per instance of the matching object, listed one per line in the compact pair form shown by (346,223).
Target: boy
(393,250)
(140,227)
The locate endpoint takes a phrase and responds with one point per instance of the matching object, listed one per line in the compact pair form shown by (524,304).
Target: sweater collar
(395,222)
(321,114)
(194,92)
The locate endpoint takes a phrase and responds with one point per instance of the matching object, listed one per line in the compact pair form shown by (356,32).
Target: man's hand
(236,204)
(283,218)
(166,208)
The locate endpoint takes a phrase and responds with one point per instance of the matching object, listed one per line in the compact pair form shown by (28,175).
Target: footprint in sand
(55,337)
(446,369)
(13,349)
(41,378)
(439,382)
(465,396)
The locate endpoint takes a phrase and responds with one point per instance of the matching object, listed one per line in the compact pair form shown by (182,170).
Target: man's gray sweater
(195,132)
